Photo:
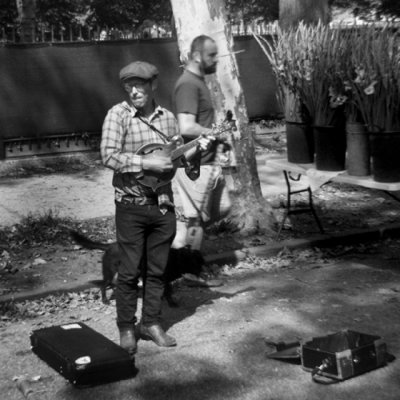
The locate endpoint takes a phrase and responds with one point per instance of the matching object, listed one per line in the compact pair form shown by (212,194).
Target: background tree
(291,12)
(250,10)
(128,13)
(194,17)
(369,9)
(123,14)
(8,12)
(131,14)
(60,13)
(26,16)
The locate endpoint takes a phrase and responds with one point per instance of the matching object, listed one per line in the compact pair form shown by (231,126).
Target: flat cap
(138,69)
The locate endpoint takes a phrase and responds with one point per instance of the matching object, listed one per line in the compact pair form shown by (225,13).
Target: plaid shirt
(123,134)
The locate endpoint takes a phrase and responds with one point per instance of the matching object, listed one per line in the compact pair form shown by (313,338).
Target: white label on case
(83,360)
(71,326)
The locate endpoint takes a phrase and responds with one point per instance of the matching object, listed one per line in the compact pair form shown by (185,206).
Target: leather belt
(139,201)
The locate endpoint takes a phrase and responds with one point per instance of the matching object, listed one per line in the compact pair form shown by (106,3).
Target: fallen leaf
(39,261)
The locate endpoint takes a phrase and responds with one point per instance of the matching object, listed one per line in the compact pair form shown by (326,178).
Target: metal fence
(43,33)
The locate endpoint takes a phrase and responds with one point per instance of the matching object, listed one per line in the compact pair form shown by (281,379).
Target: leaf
(5,254)
(39,261)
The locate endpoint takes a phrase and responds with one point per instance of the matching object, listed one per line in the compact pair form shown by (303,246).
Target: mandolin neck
(180,151)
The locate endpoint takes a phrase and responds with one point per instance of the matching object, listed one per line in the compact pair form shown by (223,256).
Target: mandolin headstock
(227,125)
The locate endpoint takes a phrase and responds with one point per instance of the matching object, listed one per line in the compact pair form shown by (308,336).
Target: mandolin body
(175,150)
(154,179)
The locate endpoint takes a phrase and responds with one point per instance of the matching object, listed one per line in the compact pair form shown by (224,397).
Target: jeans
(144,236)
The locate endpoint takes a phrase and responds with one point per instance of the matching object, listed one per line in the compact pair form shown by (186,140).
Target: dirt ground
(34,263)
(32,260)
(221,332)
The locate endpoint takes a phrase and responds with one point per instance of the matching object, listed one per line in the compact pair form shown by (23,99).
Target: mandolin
(176,151)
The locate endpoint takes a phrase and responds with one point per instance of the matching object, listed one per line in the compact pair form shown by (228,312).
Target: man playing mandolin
(145,217)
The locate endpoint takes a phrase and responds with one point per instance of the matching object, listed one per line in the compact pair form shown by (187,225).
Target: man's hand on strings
(159,164)
(205,141)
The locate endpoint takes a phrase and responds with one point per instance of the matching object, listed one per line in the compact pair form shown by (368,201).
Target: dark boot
(157,335)
(128,340)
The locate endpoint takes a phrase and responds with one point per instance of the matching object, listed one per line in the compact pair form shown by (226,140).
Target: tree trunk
(291,12)
(26,14)
(195,17)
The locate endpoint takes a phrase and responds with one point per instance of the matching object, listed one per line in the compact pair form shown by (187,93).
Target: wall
(56,88)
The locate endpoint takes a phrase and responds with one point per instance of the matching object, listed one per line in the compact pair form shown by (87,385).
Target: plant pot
(330,148)
(299,142)
(385,160)
(358,149)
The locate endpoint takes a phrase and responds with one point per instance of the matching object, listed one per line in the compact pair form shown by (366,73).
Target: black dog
(181,261)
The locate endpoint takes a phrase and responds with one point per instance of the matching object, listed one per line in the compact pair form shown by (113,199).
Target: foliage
(132,13)
(251,10)
(376,77)
(36,228)
(8,12)
(283,56)
(59,14)
(128,13)
(329,70)
(117,13)
(370,9)
(321,52)
(305,63)
(269,10)
(341,92)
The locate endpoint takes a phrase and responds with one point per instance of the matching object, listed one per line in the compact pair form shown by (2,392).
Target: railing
(41,33)
(11,34)
(49,145)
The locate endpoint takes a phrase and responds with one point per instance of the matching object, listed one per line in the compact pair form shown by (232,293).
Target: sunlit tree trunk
(291,12)
(26,14)
(195,17)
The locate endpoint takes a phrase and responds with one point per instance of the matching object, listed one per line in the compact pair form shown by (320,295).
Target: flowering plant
(342,92)
(319,83)
(304,61)
(376,78)
(328,71)
(283,56)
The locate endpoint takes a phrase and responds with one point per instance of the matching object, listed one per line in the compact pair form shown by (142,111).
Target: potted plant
(357,138)
(283,55)
(376,89)
(320,48)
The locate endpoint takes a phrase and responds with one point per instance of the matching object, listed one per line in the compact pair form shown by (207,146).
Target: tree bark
(26,14)
(195,17)
(291,12)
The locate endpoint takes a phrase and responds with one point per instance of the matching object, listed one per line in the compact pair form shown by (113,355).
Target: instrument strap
(153,128)
(164,137)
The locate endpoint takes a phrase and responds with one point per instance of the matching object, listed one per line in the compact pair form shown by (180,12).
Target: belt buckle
(140,201)
(127,200)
